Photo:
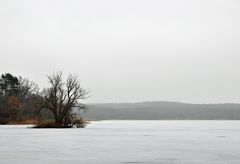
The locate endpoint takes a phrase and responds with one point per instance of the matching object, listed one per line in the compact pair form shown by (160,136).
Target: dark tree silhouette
(9,85)
(9,88)
(61,97)
(14,92)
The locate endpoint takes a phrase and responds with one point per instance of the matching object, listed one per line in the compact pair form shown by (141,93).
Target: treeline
(19,99)
(22,101)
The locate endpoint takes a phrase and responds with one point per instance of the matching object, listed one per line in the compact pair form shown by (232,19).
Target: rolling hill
(161,111)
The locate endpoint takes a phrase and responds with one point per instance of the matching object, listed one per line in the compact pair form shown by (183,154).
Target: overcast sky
(127,50)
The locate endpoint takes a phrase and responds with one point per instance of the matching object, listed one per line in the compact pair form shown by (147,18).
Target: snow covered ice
(124,142)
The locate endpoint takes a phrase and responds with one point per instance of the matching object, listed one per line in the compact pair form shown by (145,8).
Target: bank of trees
(21,99)
(15,93)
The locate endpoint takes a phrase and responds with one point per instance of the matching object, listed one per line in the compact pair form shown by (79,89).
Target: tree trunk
(57,119)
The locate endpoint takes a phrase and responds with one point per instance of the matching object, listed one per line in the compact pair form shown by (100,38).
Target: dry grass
(19,122)
(78,123)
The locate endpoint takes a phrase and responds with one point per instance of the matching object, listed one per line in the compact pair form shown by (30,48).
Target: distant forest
(162,111)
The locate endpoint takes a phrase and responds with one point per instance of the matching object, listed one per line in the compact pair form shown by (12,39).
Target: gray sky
(128,50)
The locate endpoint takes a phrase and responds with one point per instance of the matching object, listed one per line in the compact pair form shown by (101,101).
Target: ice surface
(124,142)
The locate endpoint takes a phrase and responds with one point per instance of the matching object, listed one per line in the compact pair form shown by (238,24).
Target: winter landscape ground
(124,142)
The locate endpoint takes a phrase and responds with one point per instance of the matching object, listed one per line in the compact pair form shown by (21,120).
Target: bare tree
(26,88)
(61,97)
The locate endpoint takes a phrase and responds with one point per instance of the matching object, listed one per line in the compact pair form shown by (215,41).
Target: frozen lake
(124,142)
